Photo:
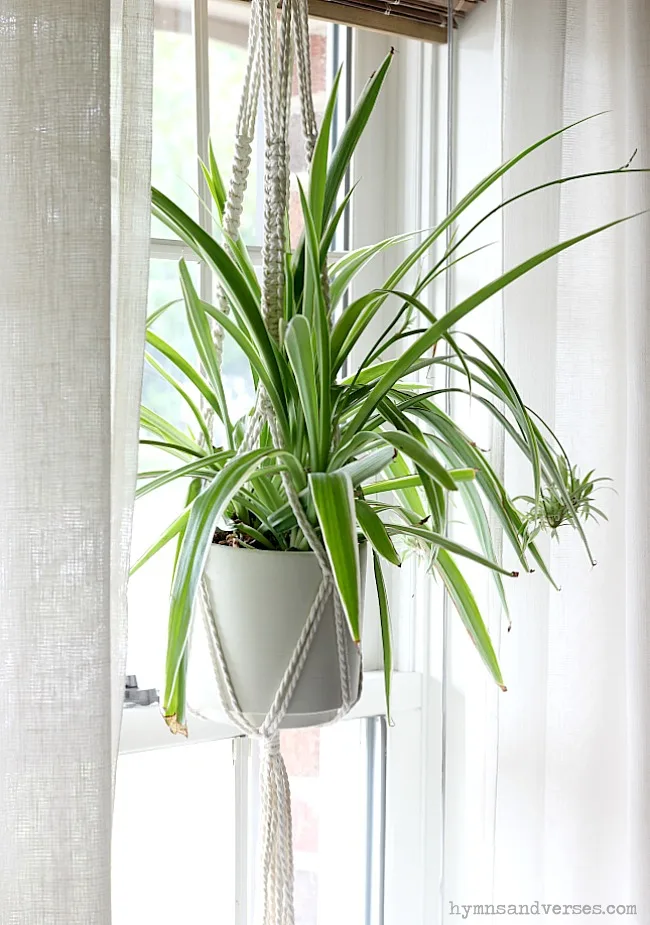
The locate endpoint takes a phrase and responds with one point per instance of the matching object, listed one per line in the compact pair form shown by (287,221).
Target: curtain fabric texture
(73,253)
(572,820)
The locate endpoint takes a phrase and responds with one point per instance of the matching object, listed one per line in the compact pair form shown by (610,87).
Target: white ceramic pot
(261,600)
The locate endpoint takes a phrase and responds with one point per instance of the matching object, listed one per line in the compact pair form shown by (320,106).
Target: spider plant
(372,454)
(550,511)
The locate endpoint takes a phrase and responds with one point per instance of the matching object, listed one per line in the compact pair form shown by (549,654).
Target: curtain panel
(572,822)
(75,160)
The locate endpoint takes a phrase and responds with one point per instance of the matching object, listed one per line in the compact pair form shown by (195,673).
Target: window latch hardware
(134,697)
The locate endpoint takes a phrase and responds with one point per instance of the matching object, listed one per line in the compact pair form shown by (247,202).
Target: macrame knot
(272,745)
(276,186)
(276,153)
(310,144)
(218,338)
(238,182)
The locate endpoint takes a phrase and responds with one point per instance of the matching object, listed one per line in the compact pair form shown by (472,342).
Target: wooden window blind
(425,20)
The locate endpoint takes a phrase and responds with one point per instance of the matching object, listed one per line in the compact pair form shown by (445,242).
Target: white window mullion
(171,249)
(241,751)
(202,67)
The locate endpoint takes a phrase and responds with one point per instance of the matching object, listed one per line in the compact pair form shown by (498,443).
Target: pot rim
(275,552)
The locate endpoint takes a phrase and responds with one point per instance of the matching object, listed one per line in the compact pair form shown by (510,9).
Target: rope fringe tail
(276,837)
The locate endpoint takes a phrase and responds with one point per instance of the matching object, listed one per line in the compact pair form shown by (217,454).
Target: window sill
(143,727)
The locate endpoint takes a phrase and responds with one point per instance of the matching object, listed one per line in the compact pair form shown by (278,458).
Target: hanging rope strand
(276,67)
(303,63)
(244,137)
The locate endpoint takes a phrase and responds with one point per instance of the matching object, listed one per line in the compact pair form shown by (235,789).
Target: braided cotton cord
(276,82)
(303,61)
(244,136)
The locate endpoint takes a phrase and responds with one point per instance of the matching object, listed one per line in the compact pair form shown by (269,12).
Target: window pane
(320,42)
(228,37)
(328,774)
(228,31)
(149,587)
(174,154)
(173,836)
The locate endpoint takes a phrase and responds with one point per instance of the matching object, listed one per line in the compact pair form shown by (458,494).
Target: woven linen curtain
(572,822)
(74,228)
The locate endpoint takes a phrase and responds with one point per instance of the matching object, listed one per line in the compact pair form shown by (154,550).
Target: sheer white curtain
(72,305)
(572,822)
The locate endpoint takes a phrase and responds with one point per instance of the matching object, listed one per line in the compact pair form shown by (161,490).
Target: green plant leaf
(155,315)
(384,622)
(318,172)
(330,232)
(434,539)
(214,180)
(487,479)
(481,526)
(375,531)
(334,504)
(409,496)
(153,422)
(413,481)
(245,530)
(463,599)
(419,454)
(353,318)
(175,449)
(202,337)
(175,527)
(191,469)
(352,133)
(272,383)
(243,298)
(433,335)
(186,368)
(203,427)
(194,490)
(348,267)
(559,181)
(206,511)
(368,466)
(315,310)
(298,344)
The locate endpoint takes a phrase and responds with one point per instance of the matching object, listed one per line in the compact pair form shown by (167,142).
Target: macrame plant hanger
(270,70)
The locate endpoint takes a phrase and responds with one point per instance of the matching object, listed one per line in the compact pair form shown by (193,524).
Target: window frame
(413,817)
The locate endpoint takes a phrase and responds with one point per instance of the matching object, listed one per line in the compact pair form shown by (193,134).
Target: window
(186,820)
(332,771)
(186,812)
(174,835)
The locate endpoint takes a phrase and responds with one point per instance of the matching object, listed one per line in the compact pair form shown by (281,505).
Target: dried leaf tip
(174,726)
(503,688)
